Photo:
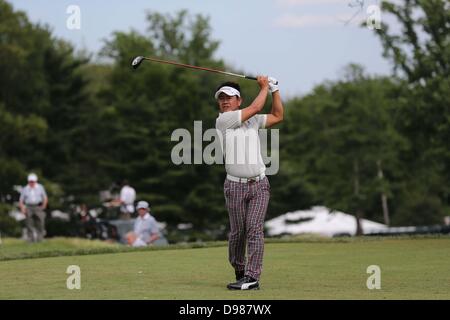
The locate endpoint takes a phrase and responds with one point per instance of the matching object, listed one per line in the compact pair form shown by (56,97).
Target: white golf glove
(273,85)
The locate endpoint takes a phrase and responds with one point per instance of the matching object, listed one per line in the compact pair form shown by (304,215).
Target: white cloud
(354,12)
(307,2)
(293,21)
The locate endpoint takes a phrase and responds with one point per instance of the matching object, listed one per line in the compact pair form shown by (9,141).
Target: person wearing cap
(146,229)
(246,188)
(33,201)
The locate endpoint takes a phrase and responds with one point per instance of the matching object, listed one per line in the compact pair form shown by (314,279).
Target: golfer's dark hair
(230,84)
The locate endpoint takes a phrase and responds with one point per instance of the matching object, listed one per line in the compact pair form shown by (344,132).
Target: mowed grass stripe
(410,269)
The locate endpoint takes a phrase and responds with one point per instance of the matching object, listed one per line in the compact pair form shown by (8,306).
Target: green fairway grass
(19,249)
(13,249)
(416,268)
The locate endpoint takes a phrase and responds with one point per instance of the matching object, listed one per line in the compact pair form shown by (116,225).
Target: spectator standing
(127,198)
(33,202)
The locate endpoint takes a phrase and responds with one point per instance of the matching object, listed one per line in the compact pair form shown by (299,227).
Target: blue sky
(300,42)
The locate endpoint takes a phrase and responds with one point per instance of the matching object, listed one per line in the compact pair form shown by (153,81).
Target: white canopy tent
(319,220)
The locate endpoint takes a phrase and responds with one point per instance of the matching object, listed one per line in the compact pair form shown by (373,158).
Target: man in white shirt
(127,198)
(246,188)
(146,229)
(33,201)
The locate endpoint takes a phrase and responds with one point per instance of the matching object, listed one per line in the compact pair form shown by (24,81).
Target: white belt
(245,180)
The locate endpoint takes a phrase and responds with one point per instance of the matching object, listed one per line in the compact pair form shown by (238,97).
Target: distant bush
(58,228)
(8,225)
(421,211)
(177,236)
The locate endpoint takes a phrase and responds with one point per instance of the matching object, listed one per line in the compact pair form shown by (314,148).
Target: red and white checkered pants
(247,206)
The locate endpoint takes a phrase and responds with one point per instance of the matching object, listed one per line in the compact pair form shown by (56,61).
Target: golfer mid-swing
(246,188)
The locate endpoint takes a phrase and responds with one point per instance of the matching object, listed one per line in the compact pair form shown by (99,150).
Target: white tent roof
(319,220)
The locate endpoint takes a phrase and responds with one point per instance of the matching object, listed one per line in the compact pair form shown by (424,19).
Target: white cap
(142,205)
(229,91)
(32,177)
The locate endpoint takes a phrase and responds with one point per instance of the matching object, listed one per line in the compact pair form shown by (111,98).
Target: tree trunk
(384,203)
(358,213)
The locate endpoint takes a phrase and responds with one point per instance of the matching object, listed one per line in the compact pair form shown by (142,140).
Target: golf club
(138,60)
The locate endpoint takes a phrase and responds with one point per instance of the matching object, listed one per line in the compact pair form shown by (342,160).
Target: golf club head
(137,61)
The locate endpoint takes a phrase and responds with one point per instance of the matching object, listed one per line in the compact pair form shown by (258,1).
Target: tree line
(375,147)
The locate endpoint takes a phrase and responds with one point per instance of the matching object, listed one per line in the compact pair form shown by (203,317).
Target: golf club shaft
(200,68)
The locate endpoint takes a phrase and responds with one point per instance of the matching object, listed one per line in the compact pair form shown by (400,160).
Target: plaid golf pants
(247,206)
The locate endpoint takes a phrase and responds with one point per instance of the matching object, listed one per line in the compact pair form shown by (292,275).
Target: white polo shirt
(240,143)
(146,226)
(128,195)
(33,196)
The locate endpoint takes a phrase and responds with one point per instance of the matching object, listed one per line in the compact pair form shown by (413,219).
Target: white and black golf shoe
(245,283)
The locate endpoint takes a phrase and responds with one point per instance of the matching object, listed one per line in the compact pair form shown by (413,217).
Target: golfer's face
(142,212)
(228,103)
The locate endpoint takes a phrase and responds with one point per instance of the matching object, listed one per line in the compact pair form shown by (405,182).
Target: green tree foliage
(334,138)
(20,86)
(83,126)
(44,109)
(420,54)
(144,106)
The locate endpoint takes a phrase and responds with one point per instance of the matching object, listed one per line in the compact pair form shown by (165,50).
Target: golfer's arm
(277,113)
(256,106)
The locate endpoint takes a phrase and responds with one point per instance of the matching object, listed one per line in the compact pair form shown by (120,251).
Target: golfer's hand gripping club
(271,79)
